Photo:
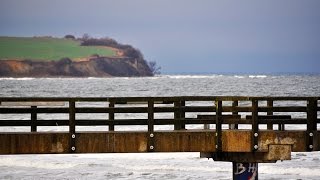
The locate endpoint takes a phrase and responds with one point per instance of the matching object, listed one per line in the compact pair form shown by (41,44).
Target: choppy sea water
(155,165)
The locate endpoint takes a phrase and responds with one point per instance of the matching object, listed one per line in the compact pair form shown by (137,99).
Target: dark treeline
(128,50)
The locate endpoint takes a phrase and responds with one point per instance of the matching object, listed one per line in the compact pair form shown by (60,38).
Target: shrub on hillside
(99,42)
(128,50)
(64,61)
(69,36)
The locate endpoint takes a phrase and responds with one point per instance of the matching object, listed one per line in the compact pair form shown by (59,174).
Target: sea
(155,165)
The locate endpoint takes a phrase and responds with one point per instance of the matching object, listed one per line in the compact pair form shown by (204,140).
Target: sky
(185,36)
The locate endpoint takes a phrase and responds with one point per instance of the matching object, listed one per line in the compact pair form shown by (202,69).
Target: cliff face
(92,67)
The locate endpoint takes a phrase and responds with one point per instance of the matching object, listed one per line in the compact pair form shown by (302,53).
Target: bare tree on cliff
(155,69)
(85,37)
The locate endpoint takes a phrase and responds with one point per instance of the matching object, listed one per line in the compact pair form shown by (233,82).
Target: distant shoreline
(69,57)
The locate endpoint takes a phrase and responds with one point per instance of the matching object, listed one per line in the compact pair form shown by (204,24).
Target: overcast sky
(184,36)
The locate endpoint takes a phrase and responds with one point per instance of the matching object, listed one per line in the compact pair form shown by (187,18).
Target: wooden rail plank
(101,122)
(270,117)
(283,109)
(32,103)
(131,142)
(181,98)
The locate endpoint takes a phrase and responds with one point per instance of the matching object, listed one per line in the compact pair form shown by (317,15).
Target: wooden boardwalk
(243,129)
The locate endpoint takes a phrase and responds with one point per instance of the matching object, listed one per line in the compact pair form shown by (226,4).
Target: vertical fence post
(151,126)
(270,113)
(72,126)
(234,126)
(34,119)
(177,115)
(255,125)
(111,115)
(234,104)
(183,115)
(311,122)
(219,126)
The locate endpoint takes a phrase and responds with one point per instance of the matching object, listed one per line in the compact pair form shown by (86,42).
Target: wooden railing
(180,111)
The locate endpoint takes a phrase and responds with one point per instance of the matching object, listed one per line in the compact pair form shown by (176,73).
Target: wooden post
(270,113)
(311,122)
(34,119)
(255,125)
(111,115)
(151,126)
(177,115)
(234,126)
(72,126)
(219,126)
(183,115)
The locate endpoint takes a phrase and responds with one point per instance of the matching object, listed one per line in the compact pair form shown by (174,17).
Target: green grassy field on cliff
(46,48)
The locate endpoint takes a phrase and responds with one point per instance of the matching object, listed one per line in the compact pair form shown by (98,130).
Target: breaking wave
(17,79)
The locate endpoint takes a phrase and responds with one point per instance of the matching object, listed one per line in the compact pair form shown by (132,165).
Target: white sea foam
(240,77)
(299,171)
(18,79)
(93,78)
(257,76)
(34,163)
(173,167)
(191,76)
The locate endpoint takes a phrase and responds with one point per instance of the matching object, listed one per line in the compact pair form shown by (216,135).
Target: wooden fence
(225,113)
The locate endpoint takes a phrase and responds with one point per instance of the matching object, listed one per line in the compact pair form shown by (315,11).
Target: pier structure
(242,130)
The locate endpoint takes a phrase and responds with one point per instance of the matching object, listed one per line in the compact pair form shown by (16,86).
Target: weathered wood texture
(222,144)
(164,141)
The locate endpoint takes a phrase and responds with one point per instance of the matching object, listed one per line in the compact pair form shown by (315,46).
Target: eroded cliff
(91,67)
